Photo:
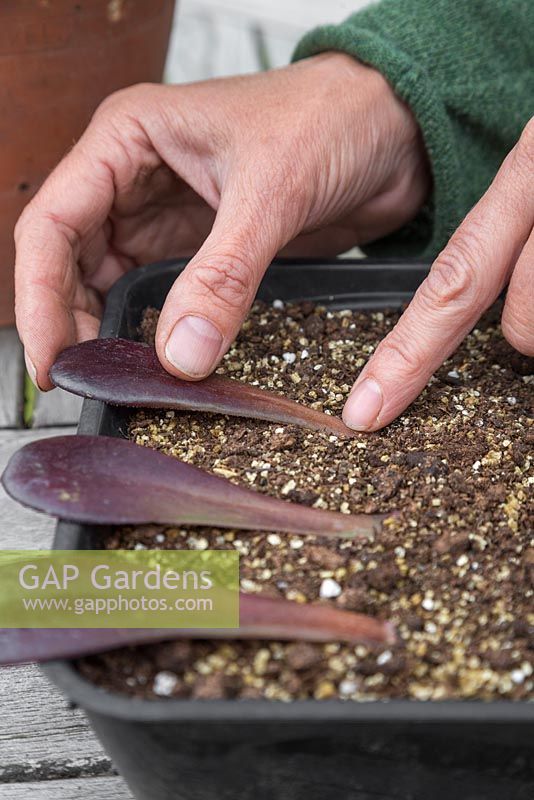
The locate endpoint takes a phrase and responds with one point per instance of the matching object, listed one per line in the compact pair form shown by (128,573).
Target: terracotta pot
(58,60)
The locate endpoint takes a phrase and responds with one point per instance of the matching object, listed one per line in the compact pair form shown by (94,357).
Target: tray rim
(94,699)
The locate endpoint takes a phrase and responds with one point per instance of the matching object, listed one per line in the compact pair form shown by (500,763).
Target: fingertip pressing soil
(455,569)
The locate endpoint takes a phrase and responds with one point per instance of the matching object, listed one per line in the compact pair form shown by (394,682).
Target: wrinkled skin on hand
(309,159)
(306,160)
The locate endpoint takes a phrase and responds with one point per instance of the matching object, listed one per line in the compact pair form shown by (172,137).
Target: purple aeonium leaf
(111,481)
(126,373)
(260,618)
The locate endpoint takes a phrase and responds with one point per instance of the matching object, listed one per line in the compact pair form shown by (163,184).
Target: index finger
(50,301)
(52,306)
(464,280)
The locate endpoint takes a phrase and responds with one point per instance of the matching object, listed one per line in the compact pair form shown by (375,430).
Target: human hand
(321,155)
(492,248)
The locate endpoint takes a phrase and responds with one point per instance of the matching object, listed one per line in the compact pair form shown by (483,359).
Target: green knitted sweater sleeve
(466,69)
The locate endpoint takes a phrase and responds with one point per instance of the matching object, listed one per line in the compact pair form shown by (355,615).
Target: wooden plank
(41,737)
(56,408)
(20,527)
(299,14)
(51,408)
(279,45)
(212,38)
(236,48)
(112,788)
(187,57)
(11,379)
(206,45)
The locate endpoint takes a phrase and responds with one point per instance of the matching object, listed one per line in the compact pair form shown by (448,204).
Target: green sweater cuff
(430,230)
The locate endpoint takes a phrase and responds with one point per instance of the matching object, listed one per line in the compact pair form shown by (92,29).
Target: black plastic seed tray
(304,750)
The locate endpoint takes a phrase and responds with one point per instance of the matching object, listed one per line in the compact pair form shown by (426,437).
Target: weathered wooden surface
(289,15)
(51,408)
(212,38)
(20,527)
(41,738)
(206,46)
(56,408)
(47,750)
(11,379)
(93,788)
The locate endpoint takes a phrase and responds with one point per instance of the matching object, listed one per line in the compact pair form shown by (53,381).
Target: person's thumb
(210,299)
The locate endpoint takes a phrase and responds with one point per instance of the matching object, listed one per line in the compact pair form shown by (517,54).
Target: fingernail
(363,405)
(194,346)
(30,369)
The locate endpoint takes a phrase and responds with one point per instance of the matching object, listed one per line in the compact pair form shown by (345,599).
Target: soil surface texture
(454,571)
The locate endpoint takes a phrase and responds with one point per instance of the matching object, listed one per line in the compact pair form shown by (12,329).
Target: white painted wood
(212,38)
(20,527)
(187,58)
(11,379)
(205,45)
(235,50)
(299,14)
(51,408)
(56,408)
(111,788)
(279,43)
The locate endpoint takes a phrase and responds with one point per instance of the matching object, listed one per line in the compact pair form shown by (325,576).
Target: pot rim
(94,699)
